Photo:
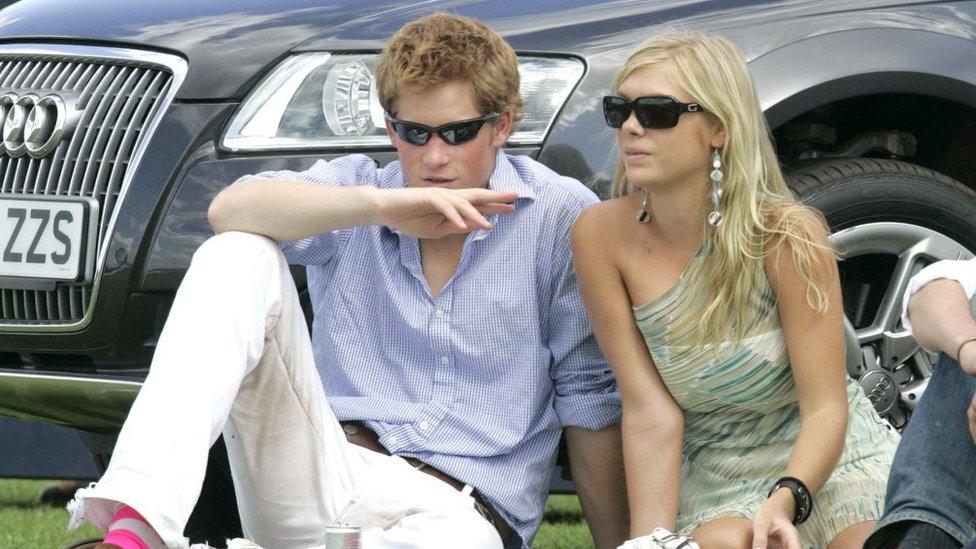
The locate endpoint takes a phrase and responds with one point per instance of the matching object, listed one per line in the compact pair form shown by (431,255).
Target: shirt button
(440,313)
(424,425)
(445,361)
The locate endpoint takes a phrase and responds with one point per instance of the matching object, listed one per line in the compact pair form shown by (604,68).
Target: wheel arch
(875,76)
(819,70)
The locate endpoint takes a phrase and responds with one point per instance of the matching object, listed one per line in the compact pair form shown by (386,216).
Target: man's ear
(392,135)
(503,127)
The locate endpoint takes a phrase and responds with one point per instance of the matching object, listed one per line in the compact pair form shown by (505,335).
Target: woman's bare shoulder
(604,221)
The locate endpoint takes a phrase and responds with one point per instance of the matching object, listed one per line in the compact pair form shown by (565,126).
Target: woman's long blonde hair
(760,213)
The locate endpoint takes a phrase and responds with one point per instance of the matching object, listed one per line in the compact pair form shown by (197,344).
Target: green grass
(563,526)
(26,524)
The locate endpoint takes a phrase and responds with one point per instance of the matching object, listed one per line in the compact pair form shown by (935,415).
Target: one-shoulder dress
(742,418)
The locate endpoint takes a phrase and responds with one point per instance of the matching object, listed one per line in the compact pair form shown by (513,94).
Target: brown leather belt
(361,435)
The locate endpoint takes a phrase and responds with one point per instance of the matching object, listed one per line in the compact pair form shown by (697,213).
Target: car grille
(121,98)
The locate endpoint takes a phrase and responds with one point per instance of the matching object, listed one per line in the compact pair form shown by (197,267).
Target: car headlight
(323,100)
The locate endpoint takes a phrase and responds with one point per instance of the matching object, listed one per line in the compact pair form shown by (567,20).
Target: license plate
(47,238)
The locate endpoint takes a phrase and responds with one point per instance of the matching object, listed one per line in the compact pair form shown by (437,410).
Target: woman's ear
(718,135)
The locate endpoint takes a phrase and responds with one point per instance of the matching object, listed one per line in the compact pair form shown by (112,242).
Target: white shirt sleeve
(962,271)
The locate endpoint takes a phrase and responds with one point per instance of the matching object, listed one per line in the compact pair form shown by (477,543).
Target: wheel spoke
(912,391)
(885,343)
(889,312)
(897,347)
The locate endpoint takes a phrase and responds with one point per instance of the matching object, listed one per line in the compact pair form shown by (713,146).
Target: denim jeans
(933,476)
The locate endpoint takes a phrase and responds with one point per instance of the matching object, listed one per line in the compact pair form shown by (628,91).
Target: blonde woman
(715,297)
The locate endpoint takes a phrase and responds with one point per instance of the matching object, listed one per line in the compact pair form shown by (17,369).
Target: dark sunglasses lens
(616,110)
(462,132)
(412,133)
(657,112)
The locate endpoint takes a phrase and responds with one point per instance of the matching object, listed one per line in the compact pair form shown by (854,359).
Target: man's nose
(436,150)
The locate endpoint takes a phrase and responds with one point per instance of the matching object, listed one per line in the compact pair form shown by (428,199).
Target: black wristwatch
(801,496)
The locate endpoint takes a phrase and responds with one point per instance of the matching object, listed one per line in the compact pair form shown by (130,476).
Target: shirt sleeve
(346,171)
(962,271)
(586,390)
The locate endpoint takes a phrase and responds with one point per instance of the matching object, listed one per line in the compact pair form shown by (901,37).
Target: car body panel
(798,51)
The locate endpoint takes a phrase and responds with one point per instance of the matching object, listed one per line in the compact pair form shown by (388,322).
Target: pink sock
(129,530)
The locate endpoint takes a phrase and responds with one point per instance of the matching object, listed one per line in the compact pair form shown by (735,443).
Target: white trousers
(235,357)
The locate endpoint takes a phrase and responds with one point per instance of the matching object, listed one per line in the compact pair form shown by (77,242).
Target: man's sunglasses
(454,133)
(653,112)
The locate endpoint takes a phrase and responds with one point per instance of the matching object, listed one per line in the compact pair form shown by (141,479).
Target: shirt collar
(504,178)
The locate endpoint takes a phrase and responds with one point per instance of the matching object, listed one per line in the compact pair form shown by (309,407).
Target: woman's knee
(724,533)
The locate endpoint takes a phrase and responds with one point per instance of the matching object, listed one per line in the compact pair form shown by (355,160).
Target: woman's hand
(773,525)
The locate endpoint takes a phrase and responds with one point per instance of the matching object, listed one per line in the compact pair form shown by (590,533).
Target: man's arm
(285,210)
(587,401)
(596,461)
(940,317)
(941,320)
(289,210)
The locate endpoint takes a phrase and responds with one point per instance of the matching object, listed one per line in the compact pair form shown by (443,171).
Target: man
(447,322)
(931,499)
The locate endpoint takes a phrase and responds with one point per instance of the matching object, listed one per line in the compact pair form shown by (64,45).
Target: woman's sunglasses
(454,133)
(653,112)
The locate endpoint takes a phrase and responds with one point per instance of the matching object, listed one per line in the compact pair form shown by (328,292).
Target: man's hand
(772,526)
(967,358)
(941,320)
(971,416)
(436,212)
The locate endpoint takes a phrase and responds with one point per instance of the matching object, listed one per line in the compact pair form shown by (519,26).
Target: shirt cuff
(962,271)
(592,411)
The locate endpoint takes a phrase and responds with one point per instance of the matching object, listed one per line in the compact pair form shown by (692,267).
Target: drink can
(342,537)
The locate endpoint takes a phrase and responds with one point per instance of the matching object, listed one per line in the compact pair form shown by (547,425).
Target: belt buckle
(483,510)
(417,464)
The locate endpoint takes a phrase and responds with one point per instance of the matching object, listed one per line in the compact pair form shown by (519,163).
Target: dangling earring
(717,176)
(641,215)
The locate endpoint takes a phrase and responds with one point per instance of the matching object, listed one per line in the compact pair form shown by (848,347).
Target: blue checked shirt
(480,379)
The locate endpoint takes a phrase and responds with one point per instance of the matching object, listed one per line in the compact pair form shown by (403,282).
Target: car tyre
(889,220)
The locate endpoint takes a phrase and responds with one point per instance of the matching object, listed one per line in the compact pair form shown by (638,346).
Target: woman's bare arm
(652,424)
(815,343)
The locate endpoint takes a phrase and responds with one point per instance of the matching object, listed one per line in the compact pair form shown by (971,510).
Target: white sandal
(660,538)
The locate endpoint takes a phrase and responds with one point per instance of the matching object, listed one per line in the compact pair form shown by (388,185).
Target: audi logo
(32,124)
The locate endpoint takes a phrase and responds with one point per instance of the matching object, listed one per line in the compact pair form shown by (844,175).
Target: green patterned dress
(742,419)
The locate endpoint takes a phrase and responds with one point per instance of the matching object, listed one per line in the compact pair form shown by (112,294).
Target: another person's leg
(931,497)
